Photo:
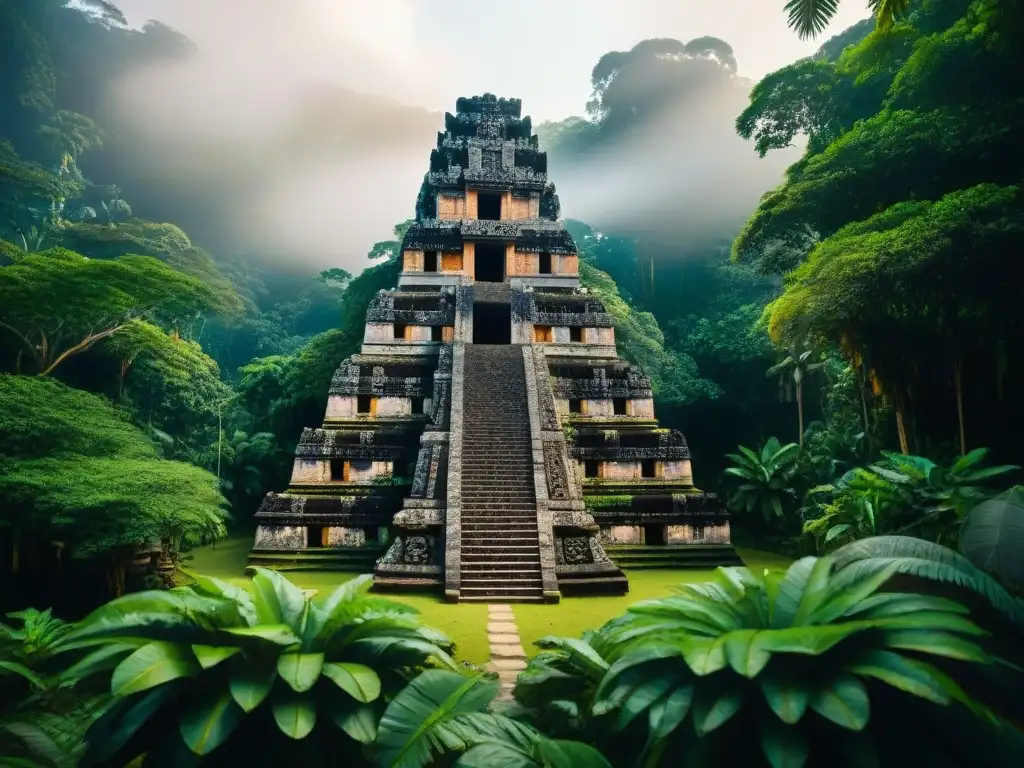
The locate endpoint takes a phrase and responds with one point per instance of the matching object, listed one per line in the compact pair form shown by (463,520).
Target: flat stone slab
(501,616)
(499,607)
(510,639)
(502,628)
(506,665)
(507,652)
(508,678)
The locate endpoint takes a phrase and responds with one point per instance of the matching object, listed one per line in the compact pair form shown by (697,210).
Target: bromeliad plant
(811,666)
(213,671)
(767,478)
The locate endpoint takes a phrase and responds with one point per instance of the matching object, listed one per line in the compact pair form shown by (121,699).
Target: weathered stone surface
(507,652)
(502,628)
(499,608)
(504,616)
(506,665)
(509,639)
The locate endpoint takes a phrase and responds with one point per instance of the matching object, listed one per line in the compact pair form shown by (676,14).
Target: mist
(297,137)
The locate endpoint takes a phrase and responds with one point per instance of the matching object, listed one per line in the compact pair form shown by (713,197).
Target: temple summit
(488,440)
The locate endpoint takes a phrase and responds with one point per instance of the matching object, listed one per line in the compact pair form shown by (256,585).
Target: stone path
(507,654)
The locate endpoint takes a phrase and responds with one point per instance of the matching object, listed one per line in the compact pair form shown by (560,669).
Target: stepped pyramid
(488,440)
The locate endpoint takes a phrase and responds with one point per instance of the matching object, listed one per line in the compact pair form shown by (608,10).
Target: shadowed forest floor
(466,623)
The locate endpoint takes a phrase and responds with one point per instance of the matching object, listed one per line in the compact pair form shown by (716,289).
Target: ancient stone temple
(488,440)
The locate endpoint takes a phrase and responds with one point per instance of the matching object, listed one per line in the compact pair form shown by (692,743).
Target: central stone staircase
(500,546)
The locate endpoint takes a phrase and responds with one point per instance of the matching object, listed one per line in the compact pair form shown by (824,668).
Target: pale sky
(429,52)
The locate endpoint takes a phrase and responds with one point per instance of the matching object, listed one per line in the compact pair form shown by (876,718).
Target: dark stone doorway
(492,324)
(489,266)
(488,206)
(656,535)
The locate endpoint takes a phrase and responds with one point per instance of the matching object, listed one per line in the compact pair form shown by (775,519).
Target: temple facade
(488,440)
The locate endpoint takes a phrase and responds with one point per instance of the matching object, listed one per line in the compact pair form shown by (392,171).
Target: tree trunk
(958,384)
(800,410)
(901,428)
(861,384)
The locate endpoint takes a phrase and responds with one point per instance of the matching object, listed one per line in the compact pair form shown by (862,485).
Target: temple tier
(488,440)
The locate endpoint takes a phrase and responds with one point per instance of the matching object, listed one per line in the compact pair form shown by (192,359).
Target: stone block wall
(339,536)
(699,534)
(378,333)
(341,406)
(642,409)
(677,470)
(599,336)
(451,206)
(622,534)
(318,471)
(412,261)
(311,471)
(280,537)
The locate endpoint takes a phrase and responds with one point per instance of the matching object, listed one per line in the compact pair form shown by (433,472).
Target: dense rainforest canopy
(866,302)
(815,270)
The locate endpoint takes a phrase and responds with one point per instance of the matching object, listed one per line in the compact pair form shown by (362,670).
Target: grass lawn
(466,623)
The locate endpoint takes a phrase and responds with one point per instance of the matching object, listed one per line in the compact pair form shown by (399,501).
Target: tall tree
(59,304)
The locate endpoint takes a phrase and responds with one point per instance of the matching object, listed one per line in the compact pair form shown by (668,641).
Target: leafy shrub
(215,671)
(815,665)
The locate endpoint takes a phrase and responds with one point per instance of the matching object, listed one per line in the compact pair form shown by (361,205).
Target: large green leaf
(357,680)
(419,720)
(207,723)
(668,713)
(844,702)
(278,634)
(645,695)
(123,718)
(105,658)
(743,657)
(927,560)
(360,722)
(704,655)
(908,675)
(791,592)
(295,714)
(783,746)
(811,640)
(713,710)
(152,664)
(993,536)
(277,600)
(787,696)
(300,670)
(212,655)
(623,676)
(936,643)
(250,684)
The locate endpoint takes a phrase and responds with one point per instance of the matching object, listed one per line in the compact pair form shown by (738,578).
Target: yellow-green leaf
(295,715)
(212,655)
(208,723)
(151,665)
(357,680)
(300,670)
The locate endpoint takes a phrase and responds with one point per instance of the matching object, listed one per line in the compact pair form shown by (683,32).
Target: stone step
(505,566)
(509,549)
(475,598)
(498,590)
